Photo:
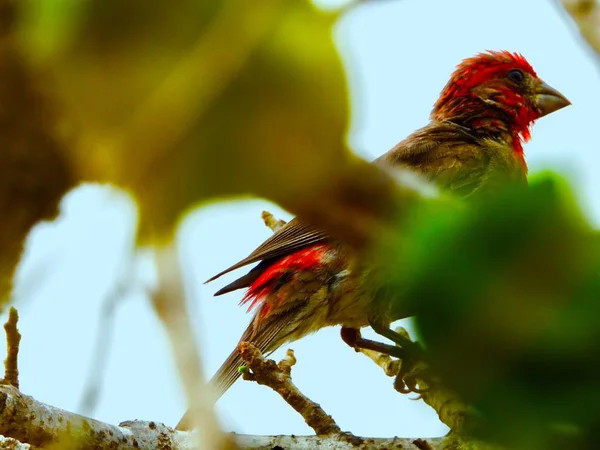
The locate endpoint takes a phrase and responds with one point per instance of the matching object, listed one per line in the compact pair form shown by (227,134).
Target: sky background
(399,54)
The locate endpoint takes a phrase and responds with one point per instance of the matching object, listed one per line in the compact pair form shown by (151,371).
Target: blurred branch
(365,213)
(13,338)
(586,14)
(170,305)
(93,385)
(278,377)
(126,281)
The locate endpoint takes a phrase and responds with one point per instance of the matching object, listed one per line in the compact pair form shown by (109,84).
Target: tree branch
(25,421)
(28,420)
(335,442)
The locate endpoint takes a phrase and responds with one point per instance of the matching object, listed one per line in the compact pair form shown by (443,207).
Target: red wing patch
(280,272)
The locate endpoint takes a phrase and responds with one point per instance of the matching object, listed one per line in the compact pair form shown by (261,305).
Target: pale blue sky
(399,54)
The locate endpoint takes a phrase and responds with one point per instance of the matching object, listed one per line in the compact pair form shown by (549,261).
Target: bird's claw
(413,365)
(412,373)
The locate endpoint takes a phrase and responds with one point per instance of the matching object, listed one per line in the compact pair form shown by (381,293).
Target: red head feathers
(497,93)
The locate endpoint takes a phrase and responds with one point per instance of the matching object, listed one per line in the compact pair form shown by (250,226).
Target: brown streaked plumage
(305,281)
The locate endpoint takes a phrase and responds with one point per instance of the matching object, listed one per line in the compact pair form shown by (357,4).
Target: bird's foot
(354,339)
(414,372)
(414,376)
(413,350)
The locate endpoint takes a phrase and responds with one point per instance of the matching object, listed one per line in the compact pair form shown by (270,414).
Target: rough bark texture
(29,421)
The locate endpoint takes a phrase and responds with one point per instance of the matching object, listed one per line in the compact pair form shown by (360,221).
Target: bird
(472,145)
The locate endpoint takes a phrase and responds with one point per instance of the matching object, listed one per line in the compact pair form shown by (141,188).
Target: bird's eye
(516,75)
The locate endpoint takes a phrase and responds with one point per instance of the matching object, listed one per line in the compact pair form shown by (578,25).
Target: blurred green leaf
(507,293)
(208,99)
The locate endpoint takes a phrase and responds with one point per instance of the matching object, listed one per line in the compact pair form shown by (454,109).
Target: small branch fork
(278,377)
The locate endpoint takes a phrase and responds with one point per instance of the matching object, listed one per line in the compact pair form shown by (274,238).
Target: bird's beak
(548,99)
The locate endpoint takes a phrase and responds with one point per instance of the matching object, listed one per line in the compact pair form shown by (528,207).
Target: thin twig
(13,338)
(273,223)
(278,377)
(390,366)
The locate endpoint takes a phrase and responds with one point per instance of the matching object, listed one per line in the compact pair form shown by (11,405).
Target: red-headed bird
(473,143)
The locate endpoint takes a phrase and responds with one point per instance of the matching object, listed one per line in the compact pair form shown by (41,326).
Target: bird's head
(497,92)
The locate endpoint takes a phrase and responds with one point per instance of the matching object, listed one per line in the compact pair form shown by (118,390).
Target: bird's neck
(482,119)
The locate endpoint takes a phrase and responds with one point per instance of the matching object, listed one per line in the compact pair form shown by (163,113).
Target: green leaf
(507,293)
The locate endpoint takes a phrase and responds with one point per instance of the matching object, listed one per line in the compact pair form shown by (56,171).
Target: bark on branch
(33,422)
(27,420)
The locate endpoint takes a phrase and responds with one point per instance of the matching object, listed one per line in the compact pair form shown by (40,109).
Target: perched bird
(473,144)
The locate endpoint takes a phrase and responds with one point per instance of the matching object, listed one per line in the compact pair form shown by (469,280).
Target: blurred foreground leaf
(508,299)
(183,103)
(34,174)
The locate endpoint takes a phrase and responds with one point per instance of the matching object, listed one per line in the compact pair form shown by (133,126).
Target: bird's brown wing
(293,236)
(444,153)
